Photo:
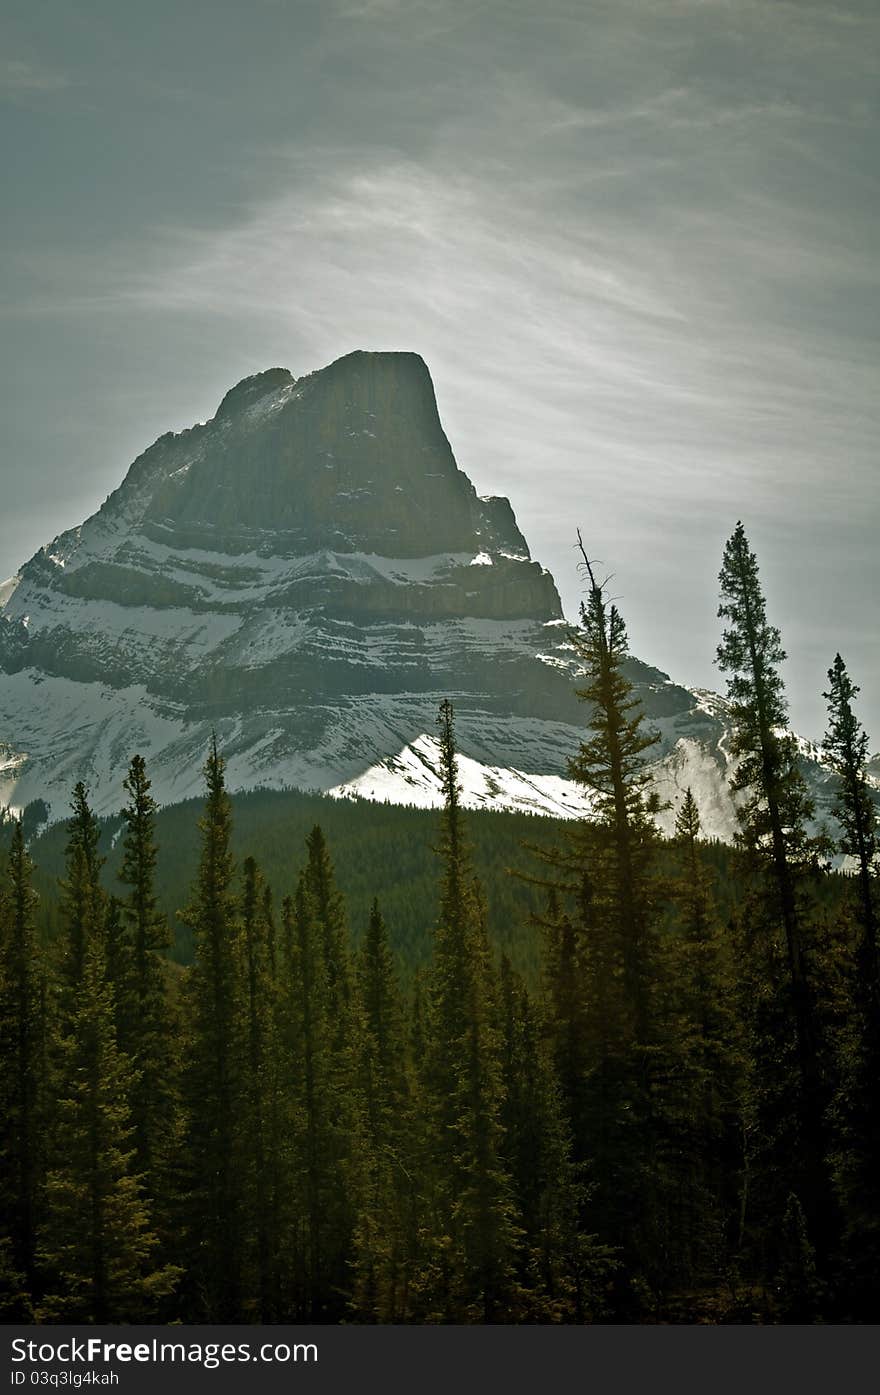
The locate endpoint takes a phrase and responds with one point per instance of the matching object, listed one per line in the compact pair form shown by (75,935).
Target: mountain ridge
(308,574)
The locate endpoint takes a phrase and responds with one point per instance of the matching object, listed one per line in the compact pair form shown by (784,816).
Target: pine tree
(329,908)
(322,1134)
(22,1083)
(561,1265)
(83,900)
(386,1233)
(262,1119)
(846,749)
(342,1027)
(856,1112)
(710,1068)
(610,763)
(143,1016)
(212,1085)
(470,1272)
(773,815)
(97,1247)
(603,957)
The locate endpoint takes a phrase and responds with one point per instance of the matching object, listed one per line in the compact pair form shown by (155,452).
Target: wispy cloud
(20,80)
(635,244)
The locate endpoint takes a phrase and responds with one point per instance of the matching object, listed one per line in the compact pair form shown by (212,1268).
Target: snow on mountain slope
(413,777)
(6,589)
(308,575)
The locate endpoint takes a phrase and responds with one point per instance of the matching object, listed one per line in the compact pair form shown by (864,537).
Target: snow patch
(7,588)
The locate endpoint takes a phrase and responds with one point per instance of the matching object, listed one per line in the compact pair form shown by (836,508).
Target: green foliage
(211,1081)
(662,1107)
(469,1270)
(97,1248)
(83,899)
(856,1151)
(144,1018)
(779,946)
(22,1078)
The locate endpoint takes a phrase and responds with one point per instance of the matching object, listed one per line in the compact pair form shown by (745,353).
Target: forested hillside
(639,1087)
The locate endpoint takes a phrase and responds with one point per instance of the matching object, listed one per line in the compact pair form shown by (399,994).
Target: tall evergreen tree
(144,1021)
(846,749)
(323,1136)
(603,938)
(610,763)
(97,1246)
(471,1266)
(212,1085)
(773,811)
(386,1240)
(561,1264)
(329,909)
(856,1111)
(262,1119)
(710,1070)
(83,900)
(22,1076)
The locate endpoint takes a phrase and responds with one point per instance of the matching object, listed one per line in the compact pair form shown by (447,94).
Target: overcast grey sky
(636,242)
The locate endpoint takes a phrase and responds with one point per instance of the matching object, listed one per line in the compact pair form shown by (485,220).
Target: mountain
(308,574)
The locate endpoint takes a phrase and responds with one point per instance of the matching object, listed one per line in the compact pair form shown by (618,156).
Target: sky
(636,242)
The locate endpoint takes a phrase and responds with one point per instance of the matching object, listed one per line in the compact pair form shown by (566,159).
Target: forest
(603,1077)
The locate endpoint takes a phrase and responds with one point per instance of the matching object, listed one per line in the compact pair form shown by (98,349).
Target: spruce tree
(145,1023)
(845,747)
(561,1264)
(22,1082)
(470,1268)
(212,1083)
(856,1112)
(386,1240)
(603,956)
(322,1134)
(709,1069)
(329,909)
(773,812)
(343,1026)
(262,1120)
(83,900)
(610,763)
(97,1247)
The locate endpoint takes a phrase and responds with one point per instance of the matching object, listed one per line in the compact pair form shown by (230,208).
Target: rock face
(309,574)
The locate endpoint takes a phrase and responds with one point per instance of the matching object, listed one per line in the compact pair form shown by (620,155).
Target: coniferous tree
(710,1068)
(566,986)
(329,909)
(386,1240)
(604,940)
(212,1085)
(262,1118)
(846,749)
(322,1140)
(22,1082)
(773,814)
(144,1020)
(561,1264)
(97,1246)
(856,1112)
(344,1026)
(83,900)
(470,1267)
(117,960)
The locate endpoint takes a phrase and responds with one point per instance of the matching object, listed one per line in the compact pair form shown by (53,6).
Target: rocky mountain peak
(352,458)
(307,575)
(250,390)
